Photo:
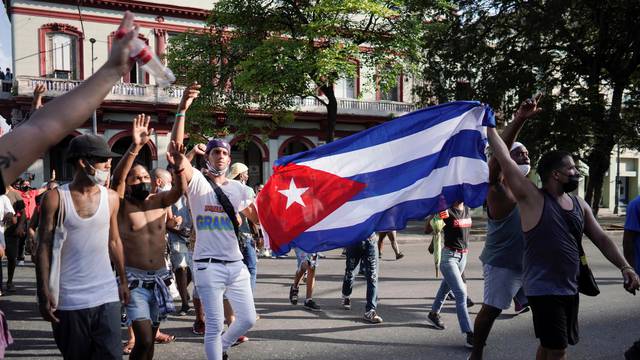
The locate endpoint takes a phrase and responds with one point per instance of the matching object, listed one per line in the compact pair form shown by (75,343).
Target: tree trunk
(599,159)
(332,112)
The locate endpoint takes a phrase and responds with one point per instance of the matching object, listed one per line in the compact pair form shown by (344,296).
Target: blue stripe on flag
(392,130)
(467,143)
(394,218)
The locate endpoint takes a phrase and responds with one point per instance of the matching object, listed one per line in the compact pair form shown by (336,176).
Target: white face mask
(166,187)
(524,169)
(214,170)
(100,177)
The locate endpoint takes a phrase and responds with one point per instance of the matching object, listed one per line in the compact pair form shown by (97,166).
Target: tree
(263,56)
(582,54)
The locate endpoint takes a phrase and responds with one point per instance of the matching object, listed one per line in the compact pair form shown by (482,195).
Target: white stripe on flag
(399,151)
(460,170)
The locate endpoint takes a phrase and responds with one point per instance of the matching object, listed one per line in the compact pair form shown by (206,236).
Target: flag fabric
(378,179)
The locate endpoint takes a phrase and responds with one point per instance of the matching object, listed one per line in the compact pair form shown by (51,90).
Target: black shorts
(11,249)
(555,320)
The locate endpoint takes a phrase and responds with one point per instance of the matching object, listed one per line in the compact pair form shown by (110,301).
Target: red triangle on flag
(297,197)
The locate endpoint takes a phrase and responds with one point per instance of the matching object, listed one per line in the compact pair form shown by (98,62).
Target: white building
(59,44)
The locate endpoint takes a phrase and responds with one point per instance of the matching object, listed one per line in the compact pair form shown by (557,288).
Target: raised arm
(521,187)
(38,91)
(141,135)
(177,160)
(116,253)
(65,113)
(48,212)
(197,150)
(177,132)
(529,108)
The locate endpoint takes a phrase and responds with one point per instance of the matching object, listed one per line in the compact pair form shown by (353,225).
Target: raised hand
(121,47)
(175,155)
(140,132)
(200,149)
(190,94)
(529,108)
(39,90)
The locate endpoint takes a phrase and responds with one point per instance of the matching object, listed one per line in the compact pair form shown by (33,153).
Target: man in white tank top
(86,316)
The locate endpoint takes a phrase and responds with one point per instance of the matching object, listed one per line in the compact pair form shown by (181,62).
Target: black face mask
(140,191)
(572,184)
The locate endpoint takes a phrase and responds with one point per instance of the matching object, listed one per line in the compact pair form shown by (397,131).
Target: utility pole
(94,117)
(617,187)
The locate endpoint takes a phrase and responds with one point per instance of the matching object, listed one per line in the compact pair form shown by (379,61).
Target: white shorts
(500,285)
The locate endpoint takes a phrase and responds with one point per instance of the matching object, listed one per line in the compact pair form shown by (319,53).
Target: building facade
(60,43)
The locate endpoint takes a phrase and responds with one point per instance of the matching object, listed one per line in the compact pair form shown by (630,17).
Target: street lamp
(94,117)
(617,187)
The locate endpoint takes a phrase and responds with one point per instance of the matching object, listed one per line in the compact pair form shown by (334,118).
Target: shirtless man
(142,225)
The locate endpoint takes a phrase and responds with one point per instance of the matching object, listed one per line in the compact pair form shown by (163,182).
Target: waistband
(459,251)
(215,261)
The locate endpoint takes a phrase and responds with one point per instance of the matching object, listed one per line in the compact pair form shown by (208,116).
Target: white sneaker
(21,263)
(372,317)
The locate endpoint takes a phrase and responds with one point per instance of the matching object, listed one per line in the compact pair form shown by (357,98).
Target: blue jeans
(452,265)
(367,253)
(250,258)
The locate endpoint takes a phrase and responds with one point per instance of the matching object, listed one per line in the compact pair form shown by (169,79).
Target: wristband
(622,269)
(180,114)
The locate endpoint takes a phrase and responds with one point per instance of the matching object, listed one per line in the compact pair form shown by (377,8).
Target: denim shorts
(180,255)
(302,256)
(500,285)
(143,306)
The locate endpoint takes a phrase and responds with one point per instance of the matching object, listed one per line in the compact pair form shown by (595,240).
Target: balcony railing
(127,92)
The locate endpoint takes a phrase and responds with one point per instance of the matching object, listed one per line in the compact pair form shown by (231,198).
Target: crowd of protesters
(100,242)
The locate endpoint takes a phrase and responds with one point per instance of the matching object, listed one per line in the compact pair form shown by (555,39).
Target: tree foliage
(260,56)
(583,55)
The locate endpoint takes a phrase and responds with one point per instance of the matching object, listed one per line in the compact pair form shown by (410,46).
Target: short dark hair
(549,162)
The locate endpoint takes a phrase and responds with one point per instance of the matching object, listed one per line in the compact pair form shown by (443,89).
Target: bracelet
(626,267)
(180,114)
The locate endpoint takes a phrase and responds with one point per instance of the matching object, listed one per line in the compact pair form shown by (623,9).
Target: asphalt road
(608,323)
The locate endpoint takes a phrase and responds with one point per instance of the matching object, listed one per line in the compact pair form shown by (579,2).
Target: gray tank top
(504,246)
(551,257)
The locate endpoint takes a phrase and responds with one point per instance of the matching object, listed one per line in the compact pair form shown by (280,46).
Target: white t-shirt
(215,236)
(5,208)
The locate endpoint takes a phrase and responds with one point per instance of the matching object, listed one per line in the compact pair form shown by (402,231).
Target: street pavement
(406,288)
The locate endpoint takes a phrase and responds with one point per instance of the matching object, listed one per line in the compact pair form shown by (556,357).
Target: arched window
(295,145)
(61,51)
(253,154)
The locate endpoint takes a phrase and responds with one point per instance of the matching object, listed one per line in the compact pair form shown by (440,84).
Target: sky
(5,39)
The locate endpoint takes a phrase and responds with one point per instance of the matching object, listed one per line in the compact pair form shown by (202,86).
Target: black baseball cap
(89,146)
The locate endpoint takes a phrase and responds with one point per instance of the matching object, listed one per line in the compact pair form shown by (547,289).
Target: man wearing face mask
(553,222)
(85,317)
(504,246)
(142,218)
(214,202)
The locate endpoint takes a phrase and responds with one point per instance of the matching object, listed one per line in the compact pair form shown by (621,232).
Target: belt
(460,251)
(215,261)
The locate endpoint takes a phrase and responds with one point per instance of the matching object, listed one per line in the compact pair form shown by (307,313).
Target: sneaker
(468,343)
(346,303)
(198,327)
(21,263)
(293,295)
(380,256)
(470,302)
(434,318)
(372,317)
(311,305)
(184,310)
(241,339)
(399,256)
(10,287)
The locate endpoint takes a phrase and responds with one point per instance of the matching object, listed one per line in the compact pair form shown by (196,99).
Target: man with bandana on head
(553,222)
(142,222)
(217,257)
(504,246)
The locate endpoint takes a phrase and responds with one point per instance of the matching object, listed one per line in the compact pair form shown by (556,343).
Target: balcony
(140,93)
(124,92)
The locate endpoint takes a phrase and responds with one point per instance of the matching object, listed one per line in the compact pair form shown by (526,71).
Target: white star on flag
(293,194)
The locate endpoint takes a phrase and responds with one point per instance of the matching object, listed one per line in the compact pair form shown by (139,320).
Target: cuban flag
(378,179)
